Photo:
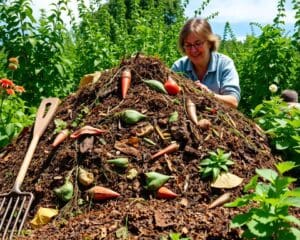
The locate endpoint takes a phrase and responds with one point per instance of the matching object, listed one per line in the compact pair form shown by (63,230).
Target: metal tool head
(14,208)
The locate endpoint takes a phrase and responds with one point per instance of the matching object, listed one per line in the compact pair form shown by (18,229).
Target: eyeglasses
(198,44)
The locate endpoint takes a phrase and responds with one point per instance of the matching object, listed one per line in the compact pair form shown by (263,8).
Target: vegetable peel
(165,193)
(102,193)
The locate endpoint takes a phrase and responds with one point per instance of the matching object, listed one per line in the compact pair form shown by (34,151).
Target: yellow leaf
(43,216)
(89,78)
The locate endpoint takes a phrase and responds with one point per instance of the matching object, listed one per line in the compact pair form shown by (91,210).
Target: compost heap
(137,213)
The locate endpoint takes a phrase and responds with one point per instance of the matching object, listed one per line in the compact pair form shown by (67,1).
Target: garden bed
(137,213)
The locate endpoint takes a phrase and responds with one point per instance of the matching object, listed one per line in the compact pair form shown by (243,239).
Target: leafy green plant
(175,236)
(282,124)
(271,199)
(12,111)
(83,112)
(59,125)
(41,47)
(215,163)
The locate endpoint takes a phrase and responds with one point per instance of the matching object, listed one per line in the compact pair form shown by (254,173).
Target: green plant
(59,125)
(215,163)
(83,112)
(12,111)
(282,124)
(174,236)
(268,217)
(41,47)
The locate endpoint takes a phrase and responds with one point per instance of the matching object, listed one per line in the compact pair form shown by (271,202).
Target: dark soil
(145,216)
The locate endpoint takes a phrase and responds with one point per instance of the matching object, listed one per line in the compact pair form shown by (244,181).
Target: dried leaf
(227,180)
(122,233)
(89,78)
(144,130)
(124,148)
(43,216)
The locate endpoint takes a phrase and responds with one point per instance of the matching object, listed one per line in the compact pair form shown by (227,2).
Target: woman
(211,71)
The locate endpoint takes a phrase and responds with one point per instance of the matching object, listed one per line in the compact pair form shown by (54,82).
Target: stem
(1,107)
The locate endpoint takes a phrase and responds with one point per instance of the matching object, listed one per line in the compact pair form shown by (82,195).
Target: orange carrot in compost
(87,130)
(220,200)
(102,193)
(125,81)
(169,149)
(191,111)
(165,193)
(60,137)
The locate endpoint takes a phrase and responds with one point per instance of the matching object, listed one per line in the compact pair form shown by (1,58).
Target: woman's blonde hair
(201,28)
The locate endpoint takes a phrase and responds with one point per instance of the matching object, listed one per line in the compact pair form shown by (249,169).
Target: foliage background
(53,57)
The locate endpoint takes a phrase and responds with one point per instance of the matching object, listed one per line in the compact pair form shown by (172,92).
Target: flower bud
(273,88)
(13,60)
(12,66)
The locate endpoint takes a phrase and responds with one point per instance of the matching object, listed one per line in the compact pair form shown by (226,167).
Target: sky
(239,13)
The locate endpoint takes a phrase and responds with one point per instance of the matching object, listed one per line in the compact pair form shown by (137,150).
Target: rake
(15,205)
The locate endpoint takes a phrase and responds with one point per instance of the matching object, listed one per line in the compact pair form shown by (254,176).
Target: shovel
(14,206)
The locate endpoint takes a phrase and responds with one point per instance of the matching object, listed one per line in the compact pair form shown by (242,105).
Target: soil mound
(137,210)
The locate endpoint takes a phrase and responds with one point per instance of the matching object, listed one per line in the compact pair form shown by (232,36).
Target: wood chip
(161,219)
(124,148)
(87,144)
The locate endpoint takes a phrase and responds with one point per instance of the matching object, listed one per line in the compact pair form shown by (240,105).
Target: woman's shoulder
(222,57)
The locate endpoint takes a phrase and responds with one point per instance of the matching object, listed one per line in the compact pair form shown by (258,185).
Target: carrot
(191,111)
(220,200)
(87,130)
(60,137)
(125,81)
(102,193)
(169,149)
(165,193)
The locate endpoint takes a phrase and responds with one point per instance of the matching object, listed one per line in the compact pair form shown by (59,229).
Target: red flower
(10,91)
(19,89)
(5,83)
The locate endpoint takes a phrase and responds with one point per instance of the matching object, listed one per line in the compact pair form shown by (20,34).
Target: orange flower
(5,83)
(14,60)
(10,91)
(12,66)
(19,89)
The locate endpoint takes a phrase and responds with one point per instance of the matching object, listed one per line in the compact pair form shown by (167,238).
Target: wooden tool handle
(44,115)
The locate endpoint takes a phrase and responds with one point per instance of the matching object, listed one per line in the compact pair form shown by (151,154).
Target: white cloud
(233,11)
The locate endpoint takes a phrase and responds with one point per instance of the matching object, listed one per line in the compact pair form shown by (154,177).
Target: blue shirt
(221,76)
